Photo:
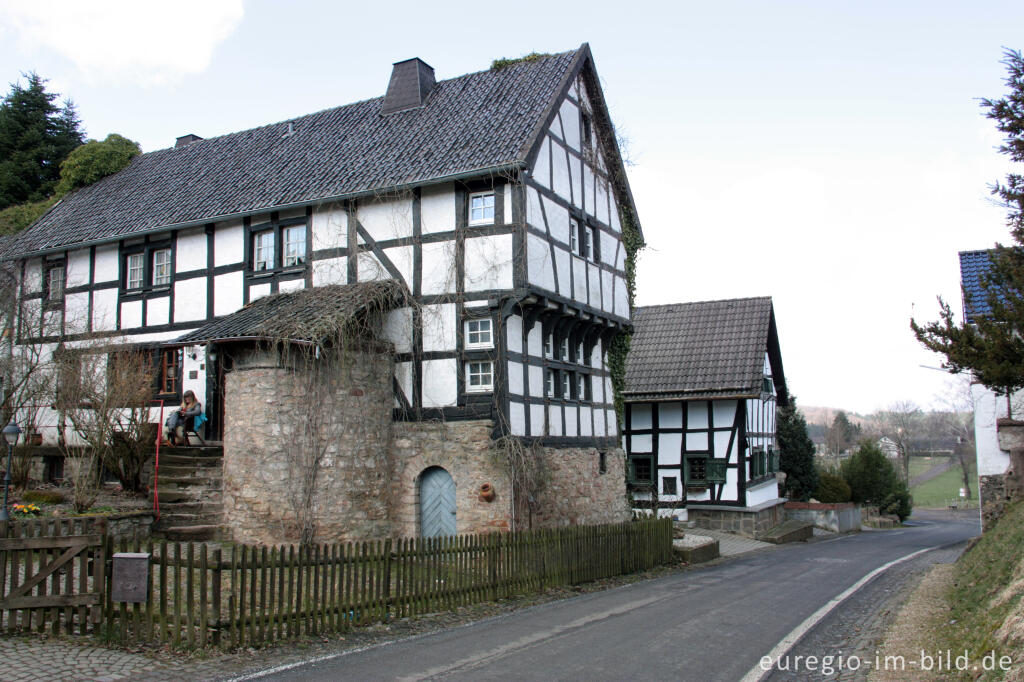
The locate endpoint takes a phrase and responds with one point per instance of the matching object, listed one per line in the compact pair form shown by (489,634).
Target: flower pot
(487,492)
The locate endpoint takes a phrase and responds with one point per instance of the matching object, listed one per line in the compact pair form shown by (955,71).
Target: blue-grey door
(437,503)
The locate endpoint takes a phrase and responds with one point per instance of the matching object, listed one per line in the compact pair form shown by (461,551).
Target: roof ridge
(716,300)
(338,107)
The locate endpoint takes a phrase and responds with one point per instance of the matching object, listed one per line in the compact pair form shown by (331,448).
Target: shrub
(832,488)
(873,480)
(44,496)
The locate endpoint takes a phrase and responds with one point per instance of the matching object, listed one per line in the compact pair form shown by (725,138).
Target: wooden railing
(208,594)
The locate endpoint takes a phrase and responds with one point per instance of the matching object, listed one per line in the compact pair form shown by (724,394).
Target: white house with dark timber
(703,382)
(496,201)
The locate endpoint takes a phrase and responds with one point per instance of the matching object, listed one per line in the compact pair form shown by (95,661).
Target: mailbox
(130,577)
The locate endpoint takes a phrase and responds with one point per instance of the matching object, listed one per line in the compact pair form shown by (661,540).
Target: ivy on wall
(632,241)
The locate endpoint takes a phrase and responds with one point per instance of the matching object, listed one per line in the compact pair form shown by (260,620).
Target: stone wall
(752,521)
(577,493)
(266,407)
(574,492)
(464,450)
(841,517)
(993,498)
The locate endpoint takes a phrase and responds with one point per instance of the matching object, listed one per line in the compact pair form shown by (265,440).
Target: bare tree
(956,419)
(902,424)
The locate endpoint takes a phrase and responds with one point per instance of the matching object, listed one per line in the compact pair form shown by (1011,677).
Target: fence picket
(203,615)
(215,596)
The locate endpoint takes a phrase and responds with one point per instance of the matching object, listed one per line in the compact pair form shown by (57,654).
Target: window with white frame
(581,357)
(479,376)
(161,267)
(549,341)
(135,267)
(549,383)
(479,333)
(481,208)
(263,251)
(563,349)
(55,283)
(294,239)
(587,246)
(566,385)
(574,235)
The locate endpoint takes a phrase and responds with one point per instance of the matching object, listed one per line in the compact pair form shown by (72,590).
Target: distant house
(889,448)
(703,382)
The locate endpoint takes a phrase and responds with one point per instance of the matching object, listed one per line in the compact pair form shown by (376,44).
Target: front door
(437,503)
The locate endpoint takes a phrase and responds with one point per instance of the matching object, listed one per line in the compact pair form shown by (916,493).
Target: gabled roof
(708,349)
(482,122)
(305,315)
(974,264)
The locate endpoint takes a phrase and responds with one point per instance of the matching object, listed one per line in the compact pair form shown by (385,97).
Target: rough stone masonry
(368,485)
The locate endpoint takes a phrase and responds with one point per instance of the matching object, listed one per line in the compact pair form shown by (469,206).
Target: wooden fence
(205,594)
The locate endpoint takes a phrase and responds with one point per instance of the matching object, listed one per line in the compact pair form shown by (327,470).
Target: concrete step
(197,533)
(188,470)
(171,521)
(205,480)
(789,531)
(189,495)
(190,507)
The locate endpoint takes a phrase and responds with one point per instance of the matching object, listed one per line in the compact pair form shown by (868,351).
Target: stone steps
(789,531)
(190,489)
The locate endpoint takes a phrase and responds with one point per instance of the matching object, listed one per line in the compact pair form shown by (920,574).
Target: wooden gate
(437,503)
(51,574)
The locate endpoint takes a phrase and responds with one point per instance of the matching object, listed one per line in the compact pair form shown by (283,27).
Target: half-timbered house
(703,382)
(497,200)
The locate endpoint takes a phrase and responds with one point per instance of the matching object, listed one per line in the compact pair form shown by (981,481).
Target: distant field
(919,465)
(939,491)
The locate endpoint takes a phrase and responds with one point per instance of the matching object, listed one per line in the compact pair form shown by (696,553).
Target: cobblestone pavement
(855,630)
(728,543)
(33,658)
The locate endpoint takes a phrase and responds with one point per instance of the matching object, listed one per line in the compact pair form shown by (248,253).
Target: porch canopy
(313,315)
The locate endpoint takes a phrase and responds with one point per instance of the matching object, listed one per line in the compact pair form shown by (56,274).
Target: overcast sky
(832,155)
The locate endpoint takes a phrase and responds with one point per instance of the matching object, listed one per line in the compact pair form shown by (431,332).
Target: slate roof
(301,315)
(479,121)
(974,264)
(708,349)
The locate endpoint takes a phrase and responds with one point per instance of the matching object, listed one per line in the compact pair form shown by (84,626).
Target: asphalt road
(713,623)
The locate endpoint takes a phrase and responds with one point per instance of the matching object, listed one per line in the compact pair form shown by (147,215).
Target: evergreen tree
(993,347)
(36,135)
(796,453)
(873,480)
(95,160)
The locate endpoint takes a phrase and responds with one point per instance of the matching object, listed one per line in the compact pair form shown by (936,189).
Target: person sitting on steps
(190,408)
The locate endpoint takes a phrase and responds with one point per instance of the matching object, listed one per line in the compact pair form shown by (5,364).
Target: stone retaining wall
(842,517)
(750,522)
(992,490)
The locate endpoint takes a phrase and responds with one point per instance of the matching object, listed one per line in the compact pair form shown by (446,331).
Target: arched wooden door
(437,503)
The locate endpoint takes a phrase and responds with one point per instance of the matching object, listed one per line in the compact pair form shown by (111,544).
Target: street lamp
(11,433)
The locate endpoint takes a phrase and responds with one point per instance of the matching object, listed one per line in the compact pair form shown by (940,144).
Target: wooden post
(215,596)
(163,591)
(203,613)
(190,595)
(177,594)
(150,594)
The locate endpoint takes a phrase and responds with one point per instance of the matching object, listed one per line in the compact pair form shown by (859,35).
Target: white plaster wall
(489,263)
(670,415)
(190,252)
(542,167)
(763,493)
(537,421)
(398,329)
(198,366)
(437,208)
(401,258)
(514,333)
(131,314)
(538,263)
(670,446)
(330,227)
(33,276)
(570,115)
(600,428)
(257,291)
(621,297)
(536,379)
(76,312)
(158,311)
(601,200)
(588,194)
(107,267)
(571,421)
(579,279)
(330,271)
(438,275)
(440,387)
(190,299)
(987,408)
(640,416)
(535,341)
(595,286)
(386,218)
(369,268)
(104,309)
(77,269)
(439,327)
(558,221)
(515,378)
(291,285)
(517,418)
(228,243)
(697,414)
(554,420)
(561,183)
(227,292)
(562,260)
(403,373)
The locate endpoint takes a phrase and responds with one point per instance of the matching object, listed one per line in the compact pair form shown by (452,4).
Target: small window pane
(481,208)
(479,376)
(574,236)
(161,267)
(566,385)
(581,357)
(294,245)
(478,333)
(642,469)
(55,284)
(549,346)
(668,485)
(563,350)
(582,386)
(549,384)
(263,251)
(136,263)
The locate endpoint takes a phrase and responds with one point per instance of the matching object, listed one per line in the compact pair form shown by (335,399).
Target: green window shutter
(716,469)
(774,461)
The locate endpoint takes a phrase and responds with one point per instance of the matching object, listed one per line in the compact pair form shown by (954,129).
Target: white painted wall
(190,251)
(987,408)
